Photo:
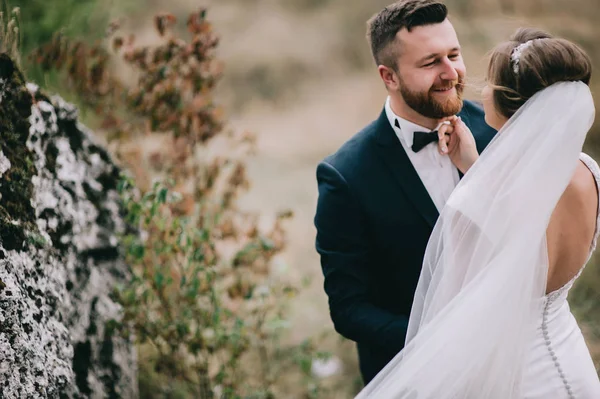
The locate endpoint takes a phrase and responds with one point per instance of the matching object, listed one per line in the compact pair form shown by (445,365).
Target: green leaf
(162,195)
(203,234)
(153,210)
(267,244)
(305,364)
(158,279)
(122,185)
(182,329)
(192,291)
(198,255)
(130,297)
(137,251)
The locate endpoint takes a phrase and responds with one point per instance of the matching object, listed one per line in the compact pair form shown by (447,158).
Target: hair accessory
(515,55)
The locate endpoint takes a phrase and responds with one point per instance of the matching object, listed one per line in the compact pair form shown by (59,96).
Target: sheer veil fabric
(485,267)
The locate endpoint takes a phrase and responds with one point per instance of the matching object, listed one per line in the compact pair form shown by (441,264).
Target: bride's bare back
(571,229)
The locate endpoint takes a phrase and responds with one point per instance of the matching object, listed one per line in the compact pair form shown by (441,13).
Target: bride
(490,317)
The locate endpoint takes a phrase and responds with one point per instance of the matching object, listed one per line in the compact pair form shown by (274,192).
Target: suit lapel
(395,158)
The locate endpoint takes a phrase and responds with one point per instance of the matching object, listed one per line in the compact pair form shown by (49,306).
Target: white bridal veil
(483,281)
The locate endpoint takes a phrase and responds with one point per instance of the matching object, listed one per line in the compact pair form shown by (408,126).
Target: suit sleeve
(342,242)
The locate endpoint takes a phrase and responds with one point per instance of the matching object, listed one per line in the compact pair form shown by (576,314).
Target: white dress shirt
(438,174)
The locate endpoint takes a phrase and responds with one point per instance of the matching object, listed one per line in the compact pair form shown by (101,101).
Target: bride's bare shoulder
(582,190)
(586,176)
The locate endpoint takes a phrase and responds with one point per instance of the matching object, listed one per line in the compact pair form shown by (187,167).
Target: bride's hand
(457,141)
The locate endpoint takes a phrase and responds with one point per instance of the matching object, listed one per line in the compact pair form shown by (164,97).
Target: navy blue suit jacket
(373,219)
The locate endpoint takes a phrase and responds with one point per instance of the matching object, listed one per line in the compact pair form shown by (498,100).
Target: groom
(381,193)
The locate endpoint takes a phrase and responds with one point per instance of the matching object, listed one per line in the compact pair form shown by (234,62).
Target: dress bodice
(560,365)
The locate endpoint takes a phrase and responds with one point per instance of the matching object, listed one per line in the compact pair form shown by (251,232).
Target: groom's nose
(448,70)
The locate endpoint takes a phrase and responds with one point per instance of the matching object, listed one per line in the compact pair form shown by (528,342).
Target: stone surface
(59,254)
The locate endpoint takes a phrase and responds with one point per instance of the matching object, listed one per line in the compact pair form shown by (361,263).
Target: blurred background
(299,74)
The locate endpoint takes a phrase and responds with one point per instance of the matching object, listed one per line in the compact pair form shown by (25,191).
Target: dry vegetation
(299,73)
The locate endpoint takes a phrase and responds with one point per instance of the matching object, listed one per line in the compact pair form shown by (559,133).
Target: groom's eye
(451,57)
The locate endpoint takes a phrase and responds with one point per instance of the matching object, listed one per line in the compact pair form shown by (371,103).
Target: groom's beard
(426,103)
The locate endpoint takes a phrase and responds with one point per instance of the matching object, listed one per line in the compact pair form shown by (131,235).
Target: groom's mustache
(459,84)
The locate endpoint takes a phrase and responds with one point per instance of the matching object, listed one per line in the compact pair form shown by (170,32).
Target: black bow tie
(421,139)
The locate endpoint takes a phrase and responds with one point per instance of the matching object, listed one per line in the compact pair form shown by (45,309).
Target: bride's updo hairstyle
(529,62)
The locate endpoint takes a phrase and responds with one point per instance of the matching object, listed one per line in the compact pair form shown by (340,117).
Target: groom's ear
(389,77)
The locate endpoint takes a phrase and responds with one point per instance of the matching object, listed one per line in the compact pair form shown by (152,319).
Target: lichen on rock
(4,164)
(60,218)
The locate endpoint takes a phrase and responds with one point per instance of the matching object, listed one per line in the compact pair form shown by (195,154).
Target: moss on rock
(17,215)
(60,216)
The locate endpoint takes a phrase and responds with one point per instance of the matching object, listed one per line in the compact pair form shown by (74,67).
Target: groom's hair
(545,61)
(383,26)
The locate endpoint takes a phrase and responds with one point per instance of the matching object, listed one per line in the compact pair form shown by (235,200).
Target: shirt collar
(407,128)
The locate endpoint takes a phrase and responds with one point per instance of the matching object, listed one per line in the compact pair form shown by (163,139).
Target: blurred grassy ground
(299,73)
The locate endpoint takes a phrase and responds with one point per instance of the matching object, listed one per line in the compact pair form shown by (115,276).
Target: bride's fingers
(452,119)
(449,144)
(444,130)
(461,129)
(452,142)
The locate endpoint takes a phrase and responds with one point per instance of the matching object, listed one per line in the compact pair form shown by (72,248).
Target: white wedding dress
(560,365)
(481,325)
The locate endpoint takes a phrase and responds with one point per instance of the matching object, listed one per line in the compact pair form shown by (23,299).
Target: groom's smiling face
(430,70)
